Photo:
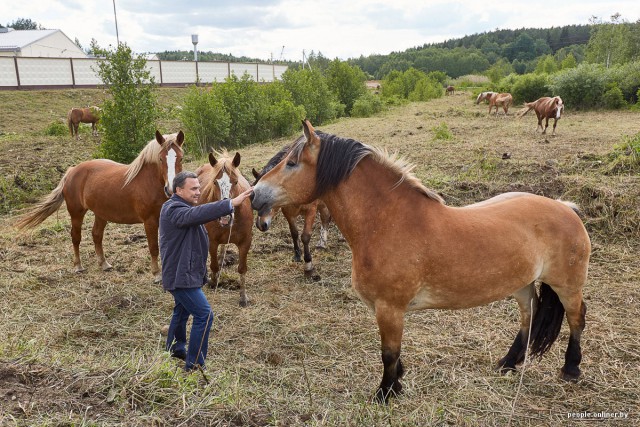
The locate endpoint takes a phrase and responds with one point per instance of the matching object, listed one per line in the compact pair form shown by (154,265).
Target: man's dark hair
(179,179)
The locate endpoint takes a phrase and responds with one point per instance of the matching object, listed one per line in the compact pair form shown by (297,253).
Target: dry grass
(85,349)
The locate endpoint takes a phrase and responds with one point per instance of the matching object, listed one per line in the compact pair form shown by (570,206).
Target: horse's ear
(255,173)
(212,160)
(180,139)
(309,132)
(236,160)
(159,137)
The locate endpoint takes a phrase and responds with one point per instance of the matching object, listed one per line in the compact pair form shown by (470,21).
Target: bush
(530,87)
(367,105)
(347,82)
(442,132)
(205,120)
(412,84)
(56,128)
(282,117)
(613,98)
(309,89)
(128,118)
(581,87)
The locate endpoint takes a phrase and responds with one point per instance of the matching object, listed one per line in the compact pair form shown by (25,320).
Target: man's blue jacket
(184,245)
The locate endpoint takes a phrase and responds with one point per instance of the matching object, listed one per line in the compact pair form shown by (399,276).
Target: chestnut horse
(292,212)
(124,194)
(545,108)
(410,251)
(484,96)
(75,116)
(221,179)
(500,99)
(450,90)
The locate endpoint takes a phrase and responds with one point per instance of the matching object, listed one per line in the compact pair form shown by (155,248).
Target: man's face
(190,192)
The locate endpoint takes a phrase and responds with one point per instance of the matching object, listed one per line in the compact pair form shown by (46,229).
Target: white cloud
(259,28)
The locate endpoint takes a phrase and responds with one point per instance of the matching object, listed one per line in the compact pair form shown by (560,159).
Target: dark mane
(338,158)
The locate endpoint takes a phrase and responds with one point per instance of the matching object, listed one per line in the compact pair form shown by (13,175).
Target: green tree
(346,81)
(25,24)
(309,88)
(568,62)
(205,119)
(547,65)
(498,70)
(129,116)
(609,43)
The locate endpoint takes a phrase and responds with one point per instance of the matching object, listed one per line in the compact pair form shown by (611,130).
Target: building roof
(14,40)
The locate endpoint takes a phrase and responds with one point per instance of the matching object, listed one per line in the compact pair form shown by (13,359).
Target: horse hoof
(157,279)
(107,267)
(572,376)
(243,303)
(319,246)
(79,270)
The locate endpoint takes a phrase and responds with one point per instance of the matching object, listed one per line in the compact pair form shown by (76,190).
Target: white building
(38,43)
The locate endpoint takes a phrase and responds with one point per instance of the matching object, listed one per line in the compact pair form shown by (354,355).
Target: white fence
(52,73)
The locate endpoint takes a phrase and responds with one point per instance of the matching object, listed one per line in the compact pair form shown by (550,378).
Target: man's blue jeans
(191,301)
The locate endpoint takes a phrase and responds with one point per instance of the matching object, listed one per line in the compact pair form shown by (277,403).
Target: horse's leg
(325,218)
(94,129)
(293,229)
(243,250)
(390,324)
(77,215)
(524,296)
(213,264)
(309,218)
(97,233)
(575,310)
(546,125)
(555,122)
(75,129)
(151,230)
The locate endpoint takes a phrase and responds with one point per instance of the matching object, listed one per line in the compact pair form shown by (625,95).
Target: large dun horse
(75,116)
(124,194)
(545,108)
(500,99)
(412,252)
(221,179)
(307,211)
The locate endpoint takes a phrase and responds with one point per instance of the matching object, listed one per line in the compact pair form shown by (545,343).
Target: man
(184,247)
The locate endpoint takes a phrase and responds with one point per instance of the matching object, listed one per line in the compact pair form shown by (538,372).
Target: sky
(284,29)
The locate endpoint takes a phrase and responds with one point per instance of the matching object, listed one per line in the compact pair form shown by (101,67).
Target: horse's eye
(291,164)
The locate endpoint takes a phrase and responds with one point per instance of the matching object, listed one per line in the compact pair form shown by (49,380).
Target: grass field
(86,350)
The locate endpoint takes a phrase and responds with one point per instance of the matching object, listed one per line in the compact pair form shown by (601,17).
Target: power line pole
(116,19)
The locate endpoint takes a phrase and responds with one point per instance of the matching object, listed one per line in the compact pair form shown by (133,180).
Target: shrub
(56,128)
(205,120)
(581,87)
(128,117)
(367,105)
(309,89)
(347,82)
(442,132)
(530,87)
(613,98)
(412,84)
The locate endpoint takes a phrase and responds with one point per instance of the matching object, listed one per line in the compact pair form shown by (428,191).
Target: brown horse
(307,211)
(545,108)
(221,179)
(75,116)
(410,251)
(500,99)
(124,194)
(484,96)
(450,90)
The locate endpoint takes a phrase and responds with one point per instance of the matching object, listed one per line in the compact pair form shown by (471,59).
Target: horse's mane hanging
(222,159)
(149,154)
(338,158)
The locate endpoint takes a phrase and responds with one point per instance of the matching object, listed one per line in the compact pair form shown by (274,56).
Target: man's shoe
(182,355)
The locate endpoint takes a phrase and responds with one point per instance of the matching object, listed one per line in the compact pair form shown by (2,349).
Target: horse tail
(45,207)
(528,106)
(546,322)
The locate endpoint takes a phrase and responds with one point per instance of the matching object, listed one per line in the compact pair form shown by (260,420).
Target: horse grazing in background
(545,108)
(450,90)
(500,99)
(75,116)
(484,96)
(124,194)
(410,251)
(221,179)
(292,212)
